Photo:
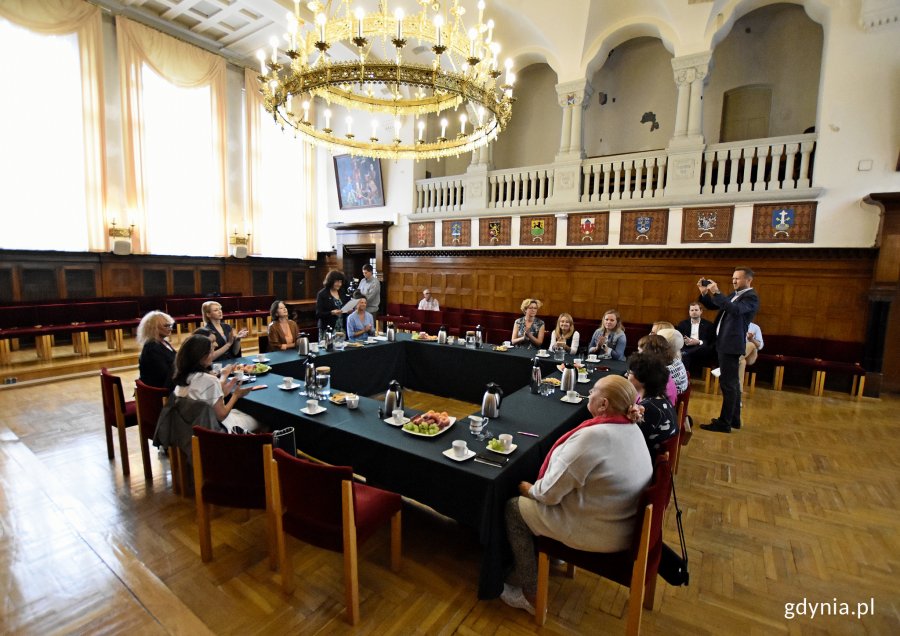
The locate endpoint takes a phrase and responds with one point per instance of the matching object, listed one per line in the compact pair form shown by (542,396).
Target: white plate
(583,379)
(263,361)
(565,398)
(321,409)
(393,422)
(247,378)
(288,388)
(512,447)
(440,432)
(546,355)
(451,455)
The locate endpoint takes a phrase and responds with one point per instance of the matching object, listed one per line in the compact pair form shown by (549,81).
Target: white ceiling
(572,36)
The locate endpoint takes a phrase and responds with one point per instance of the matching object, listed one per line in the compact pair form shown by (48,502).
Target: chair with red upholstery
(230,470)
(635,567)
(148,402)
(117,414)
(323,506)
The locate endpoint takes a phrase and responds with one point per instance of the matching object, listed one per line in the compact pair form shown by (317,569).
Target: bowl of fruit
(429,424)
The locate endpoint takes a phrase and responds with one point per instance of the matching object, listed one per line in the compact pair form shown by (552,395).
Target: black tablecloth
(470,492)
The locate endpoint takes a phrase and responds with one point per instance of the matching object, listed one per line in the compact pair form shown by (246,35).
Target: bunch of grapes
(496,445)
(422,429)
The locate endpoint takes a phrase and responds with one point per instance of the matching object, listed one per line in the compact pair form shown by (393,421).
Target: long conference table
(472,493)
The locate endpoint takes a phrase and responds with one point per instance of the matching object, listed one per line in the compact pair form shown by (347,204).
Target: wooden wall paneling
(7,289)
(211,281)
(81,281)
(184,281)
(40,283)
(120,279)
(236,276)
(260,281)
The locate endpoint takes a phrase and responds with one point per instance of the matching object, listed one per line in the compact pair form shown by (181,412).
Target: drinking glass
(323,380)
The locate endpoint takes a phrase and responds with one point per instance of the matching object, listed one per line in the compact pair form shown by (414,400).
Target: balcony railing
(774,165)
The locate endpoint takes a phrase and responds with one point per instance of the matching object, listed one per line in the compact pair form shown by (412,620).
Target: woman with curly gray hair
(156,363)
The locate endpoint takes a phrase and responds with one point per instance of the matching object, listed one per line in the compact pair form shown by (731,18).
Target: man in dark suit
(735,313)
(699,336)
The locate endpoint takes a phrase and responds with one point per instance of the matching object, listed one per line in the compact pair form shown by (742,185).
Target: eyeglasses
(169,326)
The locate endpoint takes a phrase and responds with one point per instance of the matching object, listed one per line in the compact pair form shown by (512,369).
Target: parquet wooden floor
(801,504)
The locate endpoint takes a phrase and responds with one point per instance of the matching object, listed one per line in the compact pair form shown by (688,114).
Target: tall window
(42,174)
(283,188)
(179,169)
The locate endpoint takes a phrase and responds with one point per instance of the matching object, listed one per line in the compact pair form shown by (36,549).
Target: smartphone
(705,281)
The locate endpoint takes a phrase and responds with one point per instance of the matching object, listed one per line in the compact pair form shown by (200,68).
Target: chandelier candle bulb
(273,42)
(443,128)
(327,118)
(462,124)
(261,56)
(297,9)
(374,129)
(359,22)
(490,26)
(399,15)
(397,128)
(320,20)
(438,24)
(306,112)
(421,129)
(349,121)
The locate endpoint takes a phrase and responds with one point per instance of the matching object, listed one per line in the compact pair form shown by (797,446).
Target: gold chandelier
(464,75)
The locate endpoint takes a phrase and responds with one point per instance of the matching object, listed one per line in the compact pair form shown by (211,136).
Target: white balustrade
(758,165)
(444,194)
(639,175)
(521,187)
(777,164)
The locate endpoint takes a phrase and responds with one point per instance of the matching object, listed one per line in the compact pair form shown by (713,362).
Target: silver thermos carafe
(442,335)
(303,344)
(536,378)
(479,338)
(393,398)
(329,339)
(391,332)
(569,375)
(490,403)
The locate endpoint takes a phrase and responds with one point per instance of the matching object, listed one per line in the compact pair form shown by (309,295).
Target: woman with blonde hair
(156,364)
(587,491)
(228,343)
(564,335)
(529,329)
(609,340)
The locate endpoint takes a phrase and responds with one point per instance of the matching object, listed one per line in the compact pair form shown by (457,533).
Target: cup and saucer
(288,384)
(313,408)
(459,452)
(543,353)
(571,397)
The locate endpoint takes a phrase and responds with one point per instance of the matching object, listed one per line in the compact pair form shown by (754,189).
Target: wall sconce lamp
(121,239)
(240,244)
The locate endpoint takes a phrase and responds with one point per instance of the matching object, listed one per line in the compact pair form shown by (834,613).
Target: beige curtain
(304,187)
(58,17)
(183,65)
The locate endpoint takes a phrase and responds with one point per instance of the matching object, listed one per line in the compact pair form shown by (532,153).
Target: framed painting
(590,228)
(494,231)
(421,234)
(644,227)
(537,230)
(456,233)
(707,225)
(358,182)
(784,222)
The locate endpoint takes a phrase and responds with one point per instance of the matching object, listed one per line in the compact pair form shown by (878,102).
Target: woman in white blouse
(564,336)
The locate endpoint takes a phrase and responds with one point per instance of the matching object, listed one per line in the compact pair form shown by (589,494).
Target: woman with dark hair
(648,374)
(157,360)
(283,332)
(609,340)
(587,491)
(192,381)
(659,346)
(329,302)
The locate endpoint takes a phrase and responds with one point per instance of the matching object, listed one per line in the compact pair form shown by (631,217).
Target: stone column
(683,80)
(695,114)
(691,72)
(573,98)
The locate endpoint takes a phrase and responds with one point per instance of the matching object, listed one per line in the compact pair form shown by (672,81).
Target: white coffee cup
(592,357)
(459,448)
(217,368)
(352,401)
(476,423)
(314,347)
(542,352)
(571,395)
(507,343)
(312,406)
(288,383)
(398,415)
(506,440)
(239,375)
(260,357)
(577,361)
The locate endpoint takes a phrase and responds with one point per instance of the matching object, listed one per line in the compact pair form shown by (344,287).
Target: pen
(527,433)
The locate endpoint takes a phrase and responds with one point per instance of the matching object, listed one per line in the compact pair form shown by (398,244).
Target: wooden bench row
(78,319)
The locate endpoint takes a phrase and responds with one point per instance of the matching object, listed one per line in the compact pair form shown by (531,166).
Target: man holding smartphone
(736,311)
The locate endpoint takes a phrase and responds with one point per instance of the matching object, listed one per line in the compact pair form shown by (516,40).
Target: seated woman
(648,374)
(528,331)
(228,343)
(329,302)
(156,363)
(360,324)
(659,346)
(564,336)
(587,491)
(676,366)
(192,381)
(283,332)
(609,340)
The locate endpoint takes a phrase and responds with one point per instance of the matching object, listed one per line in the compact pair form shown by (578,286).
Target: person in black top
(329,301)
(648,374)
(699,336)
(228,343)
(156,363)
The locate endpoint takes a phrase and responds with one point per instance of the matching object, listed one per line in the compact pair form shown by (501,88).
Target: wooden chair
(635,567)
(323,506)
(148,402)
(118,415)
(230,470)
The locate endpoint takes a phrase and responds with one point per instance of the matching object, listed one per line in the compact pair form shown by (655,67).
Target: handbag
(673,567)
